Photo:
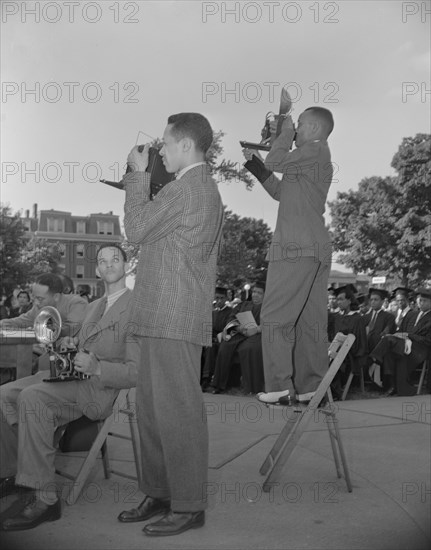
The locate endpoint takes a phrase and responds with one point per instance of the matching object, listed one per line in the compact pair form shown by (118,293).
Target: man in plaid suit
(178,233)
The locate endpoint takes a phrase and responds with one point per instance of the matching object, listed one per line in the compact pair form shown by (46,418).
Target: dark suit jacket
(420,335)
(408,321)
(384,324)
(179,234)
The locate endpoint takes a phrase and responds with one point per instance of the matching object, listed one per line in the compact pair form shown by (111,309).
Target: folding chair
(424,370)
(349,381)
(292,431)
(122,405)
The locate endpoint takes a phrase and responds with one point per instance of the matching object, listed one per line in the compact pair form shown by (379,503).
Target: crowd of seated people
(237,344)
(390,345)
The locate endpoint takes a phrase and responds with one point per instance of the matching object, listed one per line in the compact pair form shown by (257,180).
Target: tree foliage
(384,228)
(242,251)
(22,259)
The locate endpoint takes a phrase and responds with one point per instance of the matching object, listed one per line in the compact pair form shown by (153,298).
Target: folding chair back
(122,405)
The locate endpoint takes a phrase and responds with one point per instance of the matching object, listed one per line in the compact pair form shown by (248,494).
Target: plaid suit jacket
(179,234)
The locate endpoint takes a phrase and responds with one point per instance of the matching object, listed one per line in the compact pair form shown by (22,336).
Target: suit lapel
(109,319)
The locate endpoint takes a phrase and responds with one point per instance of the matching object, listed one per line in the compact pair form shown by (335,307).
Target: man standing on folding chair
(32,409)
(294,311)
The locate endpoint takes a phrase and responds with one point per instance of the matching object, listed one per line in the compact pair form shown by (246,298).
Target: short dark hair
(68,286)
(23,292)
(112,245)
(52,281)
(194,126)
(324,116)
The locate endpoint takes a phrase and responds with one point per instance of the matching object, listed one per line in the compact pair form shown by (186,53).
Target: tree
(243,249)
(384,228)
(12,242)
(22,259)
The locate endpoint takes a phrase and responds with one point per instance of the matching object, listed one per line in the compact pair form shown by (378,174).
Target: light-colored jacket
(117,351)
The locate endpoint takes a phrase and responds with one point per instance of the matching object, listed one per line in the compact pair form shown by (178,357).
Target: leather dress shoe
(32,515)
(148,508)
(8,487)
(175,523)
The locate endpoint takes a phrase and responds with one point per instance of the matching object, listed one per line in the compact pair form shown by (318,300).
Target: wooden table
(16,351)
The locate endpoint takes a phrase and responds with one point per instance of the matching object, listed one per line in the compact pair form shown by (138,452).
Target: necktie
(418,317)
(373,320)
(101,309)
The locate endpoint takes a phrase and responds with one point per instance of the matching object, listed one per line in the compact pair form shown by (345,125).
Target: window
(79,271)
(56,224)
(79,250)
(105,228)
(27,224)
(80,226)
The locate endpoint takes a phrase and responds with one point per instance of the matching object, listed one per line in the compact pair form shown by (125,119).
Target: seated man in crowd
(220,315)
(349,321)
(406,315)
(379,323)
(247,344)
(32,409)
(402,352)
(24,304)
(47,290)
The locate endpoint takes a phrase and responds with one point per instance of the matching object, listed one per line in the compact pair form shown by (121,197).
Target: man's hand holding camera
(138,158)
(87,363)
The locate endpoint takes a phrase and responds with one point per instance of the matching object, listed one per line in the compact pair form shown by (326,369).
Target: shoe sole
(177,532)
(143,518)
(32,526)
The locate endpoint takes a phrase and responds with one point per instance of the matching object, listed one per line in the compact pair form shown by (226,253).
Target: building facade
(76,239)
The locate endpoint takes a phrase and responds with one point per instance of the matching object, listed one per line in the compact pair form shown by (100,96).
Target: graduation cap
(349,288)
(221,290)
(425,292)
(380,292)
(401,290)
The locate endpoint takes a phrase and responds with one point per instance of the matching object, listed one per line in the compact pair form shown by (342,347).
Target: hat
(425,292)
(221,290)
(349,288)
(401,290)
(331,288)
(380,292)
(259,284)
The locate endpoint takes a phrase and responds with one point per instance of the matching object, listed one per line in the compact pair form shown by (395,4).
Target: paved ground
(387,442)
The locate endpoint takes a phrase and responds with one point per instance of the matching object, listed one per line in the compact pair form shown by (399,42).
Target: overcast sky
(81,82)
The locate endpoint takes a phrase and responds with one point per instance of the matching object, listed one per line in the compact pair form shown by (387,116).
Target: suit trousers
(172,423)
(31,410)
(294,322)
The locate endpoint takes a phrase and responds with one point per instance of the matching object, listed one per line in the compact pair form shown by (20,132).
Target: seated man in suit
(350,321)
(405,351)
(379,323)
(47,290)
(32,409)
(406,315)
(247,343)
(220,314)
